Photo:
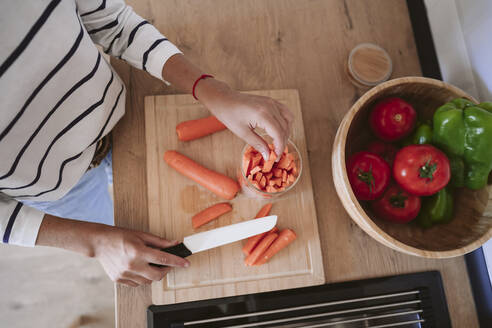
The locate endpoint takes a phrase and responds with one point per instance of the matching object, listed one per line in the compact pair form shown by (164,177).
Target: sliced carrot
(285,161)
(263,182)
(264,211)
(291,165)
(284,175)
(210,214)
(194,129)
(291,178)
(269,164)
(285,237)
(277,172)
(218,183)
(255,170)
(256,159)
(254,240)
(261,248)
(256,184)
(247,163)
(258,176)
(294,170)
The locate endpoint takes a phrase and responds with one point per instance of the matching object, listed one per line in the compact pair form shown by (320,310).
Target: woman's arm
(241,113)
(124,254)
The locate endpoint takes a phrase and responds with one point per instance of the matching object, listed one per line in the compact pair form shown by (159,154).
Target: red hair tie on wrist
(203,76)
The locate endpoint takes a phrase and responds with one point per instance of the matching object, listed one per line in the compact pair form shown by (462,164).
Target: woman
(60,100)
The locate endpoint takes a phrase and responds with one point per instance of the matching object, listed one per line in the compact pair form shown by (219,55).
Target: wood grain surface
(173,199)
(280,44)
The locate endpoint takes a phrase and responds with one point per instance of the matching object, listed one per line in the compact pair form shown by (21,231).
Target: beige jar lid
(369,64)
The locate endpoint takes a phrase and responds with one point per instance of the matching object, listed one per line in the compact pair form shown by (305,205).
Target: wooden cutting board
(174,199)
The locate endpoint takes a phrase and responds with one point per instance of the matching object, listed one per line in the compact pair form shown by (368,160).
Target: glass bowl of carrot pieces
(268,179)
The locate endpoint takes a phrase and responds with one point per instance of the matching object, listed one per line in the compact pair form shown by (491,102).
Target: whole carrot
(194,129)
(217,183)
(210,214)
(285,237)
(261,248)
(254,240)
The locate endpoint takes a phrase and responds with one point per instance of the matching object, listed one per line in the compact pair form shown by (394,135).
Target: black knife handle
(179,250)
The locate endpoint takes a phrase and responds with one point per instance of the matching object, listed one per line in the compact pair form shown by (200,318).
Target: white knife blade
(225,235)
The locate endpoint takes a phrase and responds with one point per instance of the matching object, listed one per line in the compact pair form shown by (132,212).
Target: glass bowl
(251,190)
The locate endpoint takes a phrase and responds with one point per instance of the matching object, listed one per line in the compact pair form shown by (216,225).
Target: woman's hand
(242,113)
(125,256)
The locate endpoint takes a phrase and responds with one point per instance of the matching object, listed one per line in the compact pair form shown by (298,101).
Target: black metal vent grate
(415,300)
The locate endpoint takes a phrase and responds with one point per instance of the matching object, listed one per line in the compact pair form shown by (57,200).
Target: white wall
(462,32)
(476,23)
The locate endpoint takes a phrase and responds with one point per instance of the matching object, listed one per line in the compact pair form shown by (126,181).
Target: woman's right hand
(125,255)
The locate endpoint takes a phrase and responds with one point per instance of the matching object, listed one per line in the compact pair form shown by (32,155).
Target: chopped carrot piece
(246,164)
(291,165)
(284,175)
(262,182)
(285,237)
(210,214)
(256,184)
(285,161)
(277,172)
(254,240)
(291,178)
(256,159)
(267,167)
(258,176)
(256,169)
(261,248)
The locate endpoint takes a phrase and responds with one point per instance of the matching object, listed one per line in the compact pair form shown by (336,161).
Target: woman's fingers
(274,130)
(156,256)
(155,241)
(127,282)
(255,141)
(286,114)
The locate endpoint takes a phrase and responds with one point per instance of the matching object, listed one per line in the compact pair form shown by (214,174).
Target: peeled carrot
(210,214)
(285,237)
(194,129)
(277,172)
(285,161)
(261,248)
(217,183)
(267,167)
(254,240)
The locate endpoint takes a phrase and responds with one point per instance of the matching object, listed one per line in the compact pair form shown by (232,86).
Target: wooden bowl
(472,223)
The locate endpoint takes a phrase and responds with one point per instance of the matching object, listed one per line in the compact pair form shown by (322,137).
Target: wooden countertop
(279,44)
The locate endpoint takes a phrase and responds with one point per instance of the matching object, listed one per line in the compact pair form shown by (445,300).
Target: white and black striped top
(58,96)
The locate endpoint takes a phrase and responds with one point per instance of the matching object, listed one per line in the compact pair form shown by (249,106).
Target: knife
(202,241)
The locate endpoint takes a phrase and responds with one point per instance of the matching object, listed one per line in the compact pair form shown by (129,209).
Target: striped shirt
(59,96)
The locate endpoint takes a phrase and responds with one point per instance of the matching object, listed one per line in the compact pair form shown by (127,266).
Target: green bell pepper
(463,131)
(435,209)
